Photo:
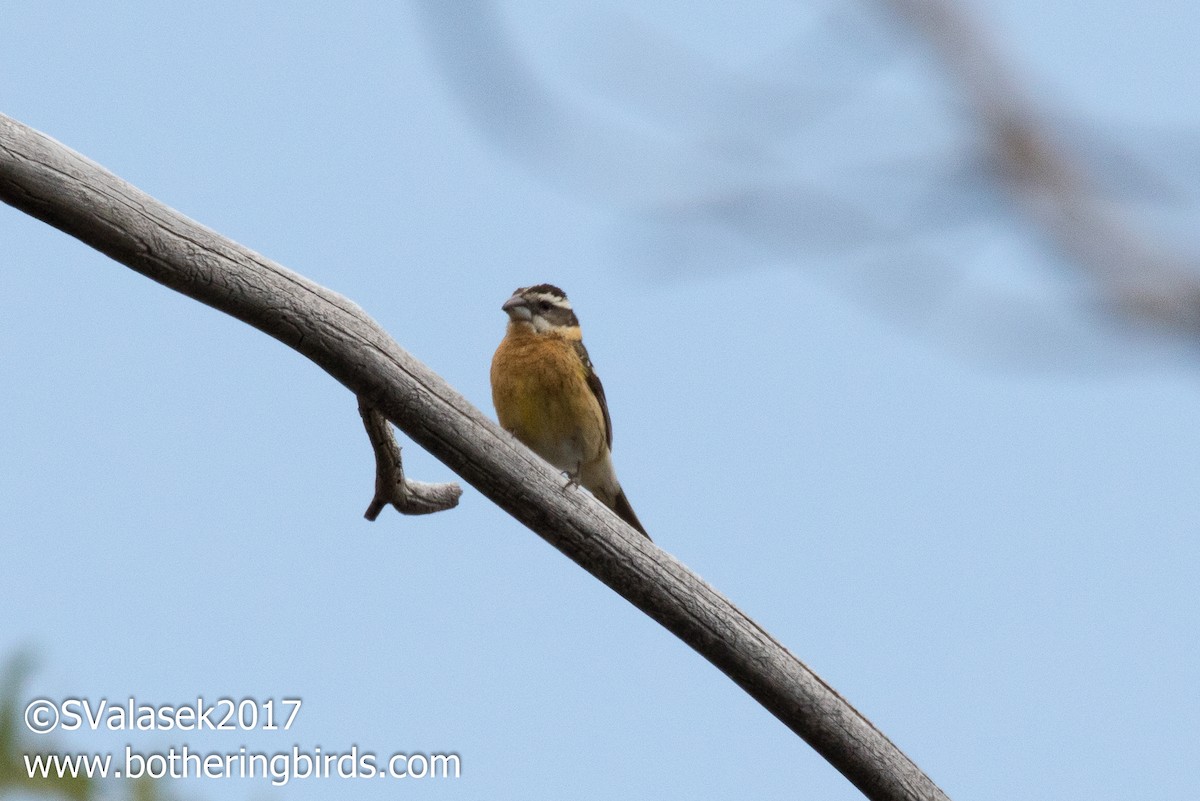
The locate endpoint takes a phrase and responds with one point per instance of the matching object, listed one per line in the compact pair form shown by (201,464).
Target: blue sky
(993,557)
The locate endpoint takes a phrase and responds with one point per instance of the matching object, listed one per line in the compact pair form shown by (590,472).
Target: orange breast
(541,395)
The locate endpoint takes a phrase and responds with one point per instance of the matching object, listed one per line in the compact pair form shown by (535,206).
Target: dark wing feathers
(593,382)
(621,503)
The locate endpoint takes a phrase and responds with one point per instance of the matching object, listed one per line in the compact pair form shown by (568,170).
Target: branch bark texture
(391,485)
(66,190)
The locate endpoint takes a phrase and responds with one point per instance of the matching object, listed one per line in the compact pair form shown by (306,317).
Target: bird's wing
(593,382)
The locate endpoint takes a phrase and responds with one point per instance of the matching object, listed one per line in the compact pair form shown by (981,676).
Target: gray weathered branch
(50,182)
(391,485)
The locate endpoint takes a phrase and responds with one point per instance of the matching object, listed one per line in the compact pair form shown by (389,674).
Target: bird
(548,396)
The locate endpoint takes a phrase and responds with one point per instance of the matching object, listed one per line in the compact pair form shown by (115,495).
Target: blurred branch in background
(1136,273)
(936,189)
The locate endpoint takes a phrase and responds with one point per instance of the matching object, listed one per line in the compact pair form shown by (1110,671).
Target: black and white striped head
(544,308)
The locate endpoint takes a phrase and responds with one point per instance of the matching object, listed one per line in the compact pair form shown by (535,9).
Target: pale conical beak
(517,308)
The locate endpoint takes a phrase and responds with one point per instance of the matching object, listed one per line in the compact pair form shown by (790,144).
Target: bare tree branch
(50,182)
(409,497)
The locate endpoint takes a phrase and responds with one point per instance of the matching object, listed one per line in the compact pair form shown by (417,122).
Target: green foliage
(15,747)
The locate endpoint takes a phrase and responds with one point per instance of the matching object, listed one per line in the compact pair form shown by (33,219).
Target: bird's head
(544,309)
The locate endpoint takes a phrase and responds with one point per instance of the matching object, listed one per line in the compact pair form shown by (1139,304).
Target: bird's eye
(543,305)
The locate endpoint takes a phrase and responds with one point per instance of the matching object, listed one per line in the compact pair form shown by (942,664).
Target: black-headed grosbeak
(548,396)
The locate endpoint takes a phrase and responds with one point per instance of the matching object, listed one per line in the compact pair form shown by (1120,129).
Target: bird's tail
(625,511)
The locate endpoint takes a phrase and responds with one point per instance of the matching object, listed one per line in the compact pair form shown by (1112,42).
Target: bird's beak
(517,308)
